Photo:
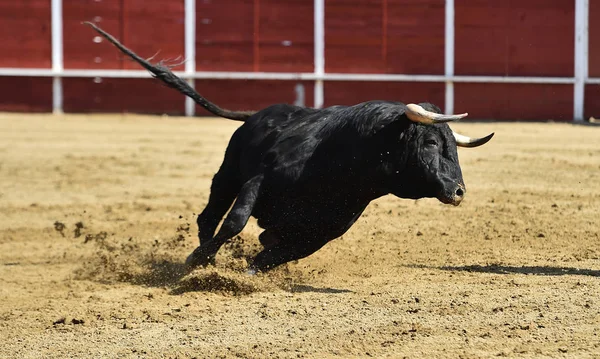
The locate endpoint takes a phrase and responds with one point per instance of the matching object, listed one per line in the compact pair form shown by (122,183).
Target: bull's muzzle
(459,194)
(453,195)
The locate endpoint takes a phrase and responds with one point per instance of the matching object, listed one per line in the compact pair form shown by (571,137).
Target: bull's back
(261,132)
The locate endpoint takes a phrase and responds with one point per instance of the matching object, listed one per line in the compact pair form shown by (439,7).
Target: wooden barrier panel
(384,36)
(415,37)
(154,27)
(594,39)
(251,94)
(224,35)
(538,102)
(592,102)
(286,36)
(121,95)
(26,94)
(257,35)
(352,93)
(515,37)
(149,27)
(83,48)
(354,36)
(503,38)
(25,34)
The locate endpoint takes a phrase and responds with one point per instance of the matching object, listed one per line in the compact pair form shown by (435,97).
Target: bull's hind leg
(224,188)
(223,191)
(232,225)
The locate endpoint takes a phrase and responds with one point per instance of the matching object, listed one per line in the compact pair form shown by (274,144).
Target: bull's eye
(430,142)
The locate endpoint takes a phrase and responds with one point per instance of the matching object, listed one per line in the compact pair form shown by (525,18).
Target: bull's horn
(418,114)
(465,141)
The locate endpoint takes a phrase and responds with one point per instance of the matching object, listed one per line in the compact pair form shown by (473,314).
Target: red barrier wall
(514,101)
(25,34)
(146,26)
(26,94)
(499,38)
(120,95)
(265,35)
(354,92)
(592,92)
(515,38)
(252,94)
(384,36)
(594,34)
(25,43)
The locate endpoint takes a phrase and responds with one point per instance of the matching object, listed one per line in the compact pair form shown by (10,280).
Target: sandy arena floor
(98,214)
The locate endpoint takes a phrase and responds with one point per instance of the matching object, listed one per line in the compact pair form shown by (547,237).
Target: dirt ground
(97,214)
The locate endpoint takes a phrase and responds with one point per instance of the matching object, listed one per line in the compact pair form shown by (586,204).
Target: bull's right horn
(418,114)
(465,141)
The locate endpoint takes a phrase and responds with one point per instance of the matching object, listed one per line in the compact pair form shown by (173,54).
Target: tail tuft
(163,73)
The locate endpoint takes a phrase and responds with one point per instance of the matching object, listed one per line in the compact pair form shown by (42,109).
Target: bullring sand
(98,214)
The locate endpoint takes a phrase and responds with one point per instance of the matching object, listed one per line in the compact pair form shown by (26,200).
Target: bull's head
(430,159)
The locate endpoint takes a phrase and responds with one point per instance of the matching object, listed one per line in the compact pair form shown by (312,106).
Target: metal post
(581,57)
(57,55)
(319,51)
(190,51)
(449,56)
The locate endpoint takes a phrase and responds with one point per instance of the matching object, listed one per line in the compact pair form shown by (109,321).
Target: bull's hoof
(252,271)
(199,258)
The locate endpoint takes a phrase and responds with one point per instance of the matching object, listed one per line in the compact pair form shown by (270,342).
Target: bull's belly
(310,215)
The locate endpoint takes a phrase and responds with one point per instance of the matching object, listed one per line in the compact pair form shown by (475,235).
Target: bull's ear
(392,120)
(395,130)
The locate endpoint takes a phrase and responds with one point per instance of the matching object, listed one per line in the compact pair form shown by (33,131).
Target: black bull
(308,174)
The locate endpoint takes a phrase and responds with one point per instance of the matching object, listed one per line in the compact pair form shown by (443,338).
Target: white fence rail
(57,72)
(299,76)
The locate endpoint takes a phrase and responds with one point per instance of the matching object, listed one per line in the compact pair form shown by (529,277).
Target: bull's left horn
(465,141)
(418,114)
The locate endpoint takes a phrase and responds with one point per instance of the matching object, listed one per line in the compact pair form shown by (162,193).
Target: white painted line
(514,79)
(307,76)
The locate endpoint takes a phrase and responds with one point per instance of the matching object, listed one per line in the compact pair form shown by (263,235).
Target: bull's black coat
(308,174)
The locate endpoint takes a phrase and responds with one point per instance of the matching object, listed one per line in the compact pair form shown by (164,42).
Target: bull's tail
(163,73)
